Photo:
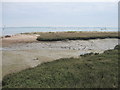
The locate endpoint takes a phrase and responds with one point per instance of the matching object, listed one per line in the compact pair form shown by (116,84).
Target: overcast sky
(77,13)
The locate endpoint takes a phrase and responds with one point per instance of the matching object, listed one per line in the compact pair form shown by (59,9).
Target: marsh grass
(91,71)
(74,35)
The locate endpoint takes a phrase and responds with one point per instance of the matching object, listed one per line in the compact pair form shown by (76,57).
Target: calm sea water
(16,30)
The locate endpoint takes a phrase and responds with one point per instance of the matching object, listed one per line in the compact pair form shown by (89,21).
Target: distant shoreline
(2,35)
(55,36)
(17,30)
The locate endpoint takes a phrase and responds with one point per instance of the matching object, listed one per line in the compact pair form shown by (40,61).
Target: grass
(74,35)
(89,71)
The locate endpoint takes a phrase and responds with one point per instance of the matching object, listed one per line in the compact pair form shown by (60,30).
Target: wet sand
(22,54)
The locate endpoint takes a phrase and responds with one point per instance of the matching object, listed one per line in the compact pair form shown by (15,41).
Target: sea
(17,30)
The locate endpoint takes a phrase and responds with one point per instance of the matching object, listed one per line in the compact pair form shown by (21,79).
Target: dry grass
(56,36)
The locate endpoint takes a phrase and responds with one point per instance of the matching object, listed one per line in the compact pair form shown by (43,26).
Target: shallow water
(16,30)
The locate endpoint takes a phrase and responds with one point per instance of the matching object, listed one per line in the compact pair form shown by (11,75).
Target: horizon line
(56,26)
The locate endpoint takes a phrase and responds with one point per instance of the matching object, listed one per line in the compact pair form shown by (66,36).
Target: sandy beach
(24,51)
(18,38)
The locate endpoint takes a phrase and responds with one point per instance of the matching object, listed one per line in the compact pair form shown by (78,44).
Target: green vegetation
(74,35)
(89,71)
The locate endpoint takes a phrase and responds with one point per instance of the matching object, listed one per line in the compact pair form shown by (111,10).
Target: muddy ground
(25,52)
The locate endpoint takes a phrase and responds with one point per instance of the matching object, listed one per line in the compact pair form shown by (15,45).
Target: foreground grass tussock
(89,71)
(57,36)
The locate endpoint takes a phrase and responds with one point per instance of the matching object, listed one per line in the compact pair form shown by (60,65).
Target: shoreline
(18,30)
(55,36)
(21,56)
(29,33)
(23,51)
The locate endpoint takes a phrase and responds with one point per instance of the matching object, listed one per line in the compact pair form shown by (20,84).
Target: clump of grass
(89,54)
(74,35)
(71,31)
(92,71)
(117,47)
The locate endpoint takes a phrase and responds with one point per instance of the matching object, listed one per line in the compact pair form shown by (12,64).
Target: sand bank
(19,38)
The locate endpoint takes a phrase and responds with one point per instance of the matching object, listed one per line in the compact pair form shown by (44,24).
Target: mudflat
(24,51)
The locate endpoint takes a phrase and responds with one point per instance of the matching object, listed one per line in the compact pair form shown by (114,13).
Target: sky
(18,14)
(60,0)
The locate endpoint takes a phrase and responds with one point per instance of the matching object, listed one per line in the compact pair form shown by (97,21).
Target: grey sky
(77,13)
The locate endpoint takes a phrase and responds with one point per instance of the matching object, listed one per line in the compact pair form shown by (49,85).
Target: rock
(7,36)
(35,59)
(69,47)
(90,49)
(74,48)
